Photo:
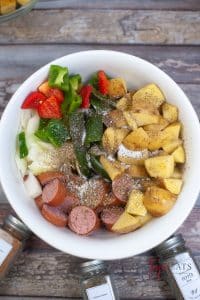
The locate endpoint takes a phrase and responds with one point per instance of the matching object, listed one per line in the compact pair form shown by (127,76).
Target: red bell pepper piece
(50,109)
(85,93)
(48,91)
(103,82)
(33,100)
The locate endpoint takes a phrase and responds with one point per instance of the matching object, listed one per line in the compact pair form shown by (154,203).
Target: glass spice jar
(180,269)
(96,283)
(13,234)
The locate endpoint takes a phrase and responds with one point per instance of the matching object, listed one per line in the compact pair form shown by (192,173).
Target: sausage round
(46,177)
(111,200)
(54,215)
(54,192)
(71,200)
(39,201)
(93,192)
(110,215)
(122,186)
(83,220)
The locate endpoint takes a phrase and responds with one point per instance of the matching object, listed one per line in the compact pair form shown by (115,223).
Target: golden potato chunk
(173,131)
(7,6)
(169,147)
(158,201)
(145,118)
(137,139)
(126,223)
(156,139)
(117,88)
(160,166)
(157,127)
(124,103)
(135,204)
(113,168)
(144,219)
(173,185)
(151,94)
(114,118)
(170,112)
(112,138)
(128,115)
(136,157)
(179,155)
(177,173)
(137,171)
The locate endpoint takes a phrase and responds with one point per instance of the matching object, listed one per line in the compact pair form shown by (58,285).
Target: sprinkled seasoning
(124,152)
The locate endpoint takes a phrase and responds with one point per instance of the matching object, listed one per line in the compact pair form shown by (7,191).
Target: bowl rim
(71,250)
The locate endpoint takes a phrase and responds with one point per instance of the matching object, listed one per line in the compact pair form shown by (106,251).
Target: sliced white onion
(21,164)
(32,125)
(32,186)
(38,167)
(26,115)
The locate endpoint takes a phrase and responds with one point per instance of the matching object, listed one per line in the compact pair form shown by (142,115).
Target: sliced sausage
(54,215)
(93,192)
(111,200)
(122,186)
(39,201)
(110,215)
(54,192)
(46,177)
(71,200)
(74,182)
(83,220)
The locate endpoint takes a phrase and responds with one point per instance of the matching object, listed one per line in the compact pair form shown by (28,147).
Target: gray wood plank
(104,26)
(180,62)
(118,4)
(135,277)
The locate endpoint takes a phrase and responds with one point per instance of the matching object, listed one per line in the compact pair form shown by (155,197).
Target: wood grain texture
(38,266)
(120,4)
(104,26)
(182,63)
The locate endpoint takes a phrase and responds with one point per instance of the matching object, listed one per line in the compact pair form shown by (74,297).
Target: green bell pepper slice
(23,150)
(97,167)
(94,129)
(58,77)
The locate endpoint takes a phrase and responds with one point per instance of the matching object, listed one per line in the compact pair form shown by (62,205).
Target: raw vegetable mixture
(94,153)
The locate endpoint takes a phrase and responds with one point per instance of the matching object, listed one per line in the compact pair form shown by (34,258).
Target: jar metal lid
(172,242)
(91,265)
(17,225)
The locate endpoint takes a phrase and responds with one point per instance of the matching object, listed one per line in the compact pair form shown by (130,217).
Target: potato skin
(158,201)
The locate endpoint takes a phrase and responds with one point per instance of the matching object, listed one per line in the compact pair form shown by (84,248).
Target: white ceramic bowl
(103,245)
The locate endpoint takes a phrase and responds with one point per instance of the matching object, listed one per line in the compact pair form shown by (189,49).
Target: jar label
(5,249)
(102,292)
(187,276)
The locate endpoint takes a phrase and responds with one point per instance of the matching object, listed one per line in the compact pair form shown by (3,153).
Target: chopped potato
(151,94)
(114,118)
(145,118)
(179,155)
(170,112)
(137,139)
(162,123)
(173,185)
(117,88)
(160,166)
(173,131)
(124,103)
(177,173)
(7,6)
(135,204)
(113,168)
(144,219)
(169,147)
(156,139)
(126,223)
(112,138)
(128,115)
(137,171)
(136,157)
(158,201)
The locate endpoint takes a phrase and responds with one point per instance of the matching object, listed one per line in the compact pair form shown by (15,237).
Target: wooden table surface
(167,33)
